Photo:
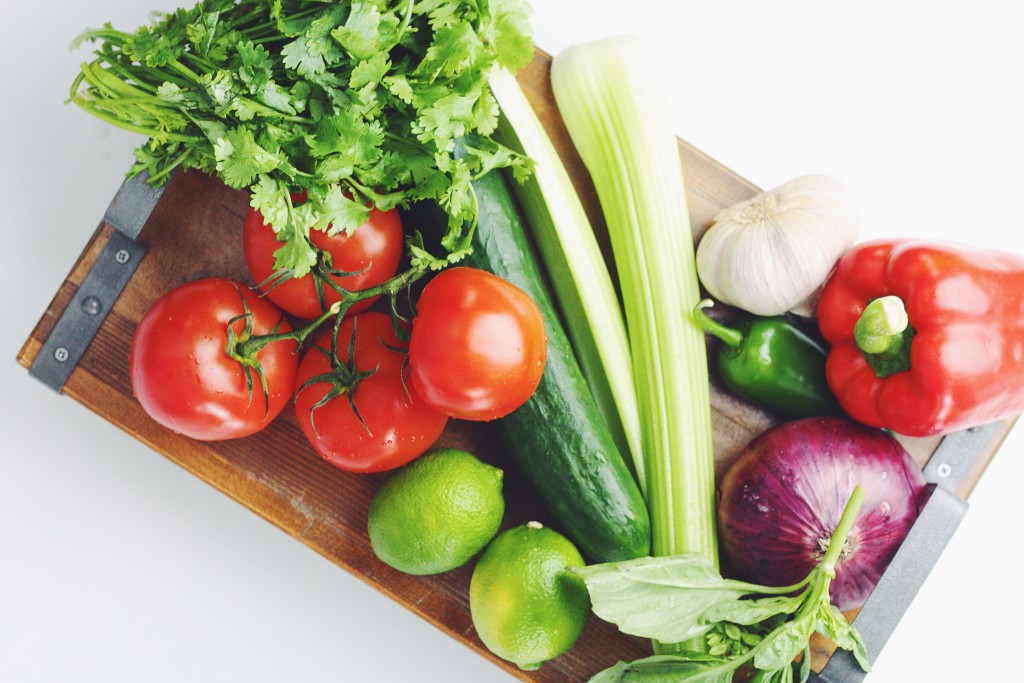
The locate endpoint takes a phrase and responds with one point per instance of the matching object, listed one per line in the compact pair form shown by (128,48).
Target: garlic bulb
(772,253)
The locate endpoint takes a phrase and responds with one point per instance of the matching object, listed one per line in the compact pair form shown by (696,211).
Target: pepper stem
(730,336)
(883,333)
(881,326)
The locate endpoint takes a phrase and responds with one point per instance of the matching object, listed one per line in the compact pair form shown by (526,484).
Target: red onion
(783,497)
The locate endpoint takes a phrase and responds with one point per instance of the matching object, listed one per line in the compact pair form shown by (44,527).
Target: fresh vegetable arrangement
(418,256)
(331,115)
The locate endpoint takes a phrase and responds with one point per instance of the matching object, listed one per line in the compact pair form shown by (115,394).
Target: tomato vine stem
(249,347)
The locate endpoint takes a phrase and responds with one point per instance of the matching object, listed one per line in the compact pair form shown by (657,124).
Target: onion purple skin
(781,500)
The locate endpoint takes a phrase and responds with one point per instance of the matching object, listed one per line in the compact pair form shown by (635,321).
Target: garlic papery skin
(772,253)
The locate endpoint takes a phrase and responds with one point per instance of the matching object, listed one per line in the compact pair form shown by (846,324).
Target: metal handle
(81,320)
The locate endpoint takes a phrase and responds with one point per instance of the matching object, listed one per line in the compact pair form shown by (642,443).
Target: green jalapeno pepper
(772,362)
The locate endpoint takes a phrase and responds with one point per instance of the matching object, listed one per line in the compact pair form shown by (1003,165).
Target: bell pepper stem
(729,336)
(883,333)
(880,327)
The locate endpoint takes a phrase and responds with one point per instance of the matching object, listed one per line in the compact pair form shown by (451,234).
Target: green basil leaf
(693,668)
(749,612)
(781,646)
(663,598)
(844,634)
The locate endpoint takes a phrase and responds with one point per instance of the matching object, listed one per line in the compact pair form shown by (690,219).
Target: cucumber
(558,440)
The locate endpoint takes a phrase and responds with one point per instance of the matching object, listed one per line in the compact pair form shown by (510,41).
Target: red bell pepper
(957,362)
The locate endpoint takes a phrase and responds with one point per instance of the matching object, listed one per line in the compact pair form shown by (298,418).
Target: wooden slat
(195,231)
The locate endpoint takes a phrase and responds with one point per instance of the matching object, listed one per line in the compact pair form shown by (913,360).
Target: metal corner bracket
(103,284)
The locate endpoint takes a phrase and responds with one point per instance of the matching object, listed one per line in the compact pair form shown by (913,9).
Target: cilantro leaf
(340,213)
(256,66)
(449,117)
(203,32)
(348,135)
(240,159)
(277,98)
(318,36)
(456,48)
(361,32)
(221,88)
(512,35)
(297,55)
(369,71)
(272,199)
(400,87)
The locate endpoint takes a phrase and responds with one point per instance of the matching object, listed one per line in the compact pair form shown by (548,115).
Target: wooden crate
(194,231)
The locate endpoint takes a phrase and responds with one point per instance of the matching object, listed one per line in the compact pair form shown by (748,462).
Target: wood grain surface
(195,231)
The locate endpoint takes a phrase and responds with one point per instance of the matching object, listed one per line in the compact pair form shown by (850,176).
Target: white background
(116,565)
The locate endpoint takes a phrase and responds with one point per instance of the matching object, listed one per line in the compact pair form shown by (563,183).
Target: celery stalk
(579,275)
(610,98)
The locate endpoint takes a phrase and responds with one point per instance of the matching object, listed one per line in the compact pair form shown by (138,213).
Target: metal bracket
(103,284)
(129,210)
(955,455)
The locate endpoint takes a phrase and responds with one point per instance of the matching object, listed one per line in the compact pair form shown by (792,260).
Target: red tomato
(397,425)
(373,252)
(478,345)
(181,371)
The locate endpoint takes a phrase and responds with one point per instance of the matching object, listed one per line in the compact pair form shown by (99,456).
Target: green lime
(526,605)
(437,512)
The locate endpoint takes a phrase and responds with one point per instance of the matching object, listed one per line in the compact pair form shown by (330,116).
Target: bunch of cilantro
(356,104)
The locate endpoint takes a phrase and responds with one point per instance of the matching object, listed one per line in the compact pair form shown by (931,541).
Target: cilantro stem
(404,141)
(406,20)
(130,127)
(158,176)
(184,71)
(107,34)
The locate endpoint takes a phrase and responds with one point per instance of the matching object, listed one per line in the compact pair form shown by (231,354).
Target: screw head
(944,470)
(122,256)
(61,354)
(91,305)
